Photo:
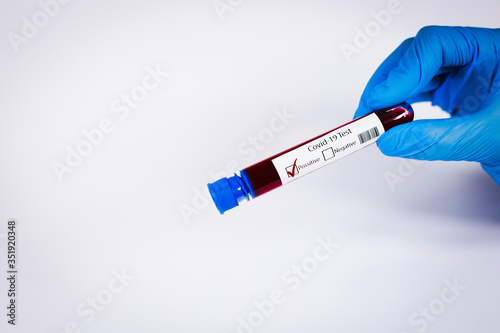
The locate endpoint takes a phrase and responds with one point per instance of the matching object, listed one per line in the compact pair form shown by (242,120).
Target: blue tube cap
(227,193)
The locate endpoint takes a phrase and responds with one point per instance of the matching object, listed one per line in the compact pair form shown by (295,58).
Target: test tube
(306,157)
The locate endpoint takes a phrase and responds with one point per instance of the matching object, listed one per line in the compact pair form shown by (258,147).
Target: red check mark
(292,174)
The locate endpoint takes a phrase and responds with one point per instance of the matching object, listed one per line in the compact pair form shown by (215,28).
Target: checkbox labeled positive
(328,153)
(292,170)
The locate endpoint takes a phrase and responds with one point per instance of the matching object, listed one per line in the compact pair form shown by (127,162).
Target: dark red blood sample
(263,177)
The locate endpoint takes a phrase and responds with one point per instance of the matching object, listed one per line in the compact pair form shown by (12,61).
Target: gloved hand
(456,68)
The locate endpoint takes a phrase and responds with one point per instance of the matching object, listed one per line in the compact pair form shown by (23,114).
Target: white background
(133,204)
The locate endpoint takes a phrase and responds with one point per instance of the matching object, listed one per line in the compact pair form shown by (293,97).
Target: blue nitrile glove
(456,68)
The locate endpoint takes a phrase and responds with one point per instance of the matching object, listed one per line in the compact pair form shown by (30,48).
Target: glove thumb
(468,138)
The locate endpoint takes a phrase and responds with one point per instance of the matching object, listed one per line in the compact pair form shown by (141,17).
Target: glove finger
(380,75)
(432,50)
(493,171)
(427,93)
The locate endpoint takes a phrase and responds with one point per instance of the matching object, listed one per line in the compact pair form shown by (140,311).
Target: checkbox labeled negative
(328,153)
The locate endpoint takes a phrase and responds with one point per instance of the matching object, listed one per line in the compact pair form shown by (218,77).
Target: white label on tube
(328,148)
